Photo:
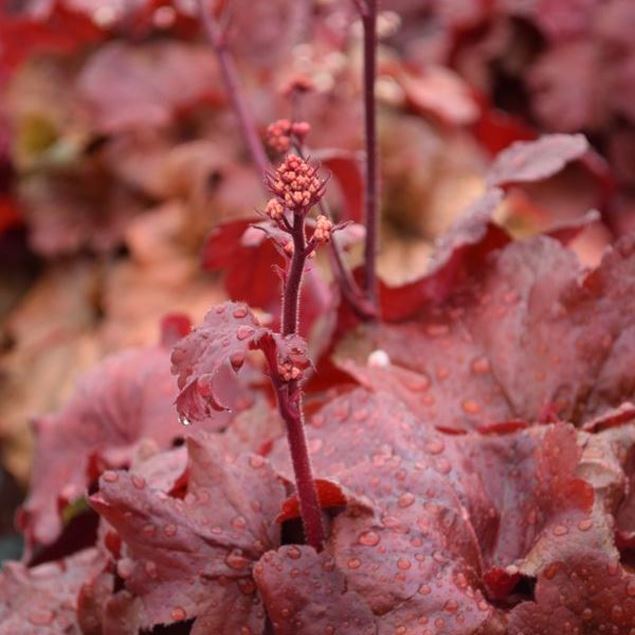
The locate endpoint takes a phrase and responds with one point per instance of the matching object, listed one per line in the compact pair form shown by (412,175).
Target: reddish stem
(371,219)
(293,283)
(290,406)
(289,395)
(232,84)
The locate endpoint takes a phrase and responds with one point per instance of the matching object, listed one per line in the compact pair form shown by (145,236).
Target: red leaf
(42,600)
(345,168)
(193,558)
(128,87)
(249,269)
(63,32)
(304,591)
(461,251)
(329,493)
(125,399)
(207,360)
(532,335)
(527,161)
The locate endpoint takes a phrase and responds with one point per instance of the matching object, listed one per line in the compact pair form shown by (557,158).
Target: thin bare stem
(232,84)
(289,395)
(290,406)
(293,284)
(368,11)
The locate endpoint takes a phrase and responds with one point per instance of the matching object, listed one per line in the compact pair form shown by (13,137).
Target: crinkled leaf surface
(526,161)
(193,557)
(42,600)
(127,86)
(533,338)
(304,592)
(127,398)
(458,519)
(207,360)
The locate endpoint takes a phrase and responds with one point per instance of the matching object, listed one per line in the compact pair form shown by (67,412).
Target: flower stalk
(368,12)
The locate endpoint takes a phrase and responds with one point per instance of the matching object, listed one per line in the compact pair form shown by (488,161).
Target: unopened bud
(274,209)
(323,229)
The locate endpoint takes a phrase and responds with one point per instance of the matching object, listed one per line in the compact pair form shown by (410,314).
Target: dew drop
(169,530)
(239,523)
(436,330)
(138,481)
(125,567)
(151,569)
(451,606)
(587,614)
(470,407)
(184,421)
(442,466)
(480,366)
(178,614)
(256,461)
(354,563)
(149,530)
(404,564)
(585,525)
(237,360)
(110,476)
(436,446)
(369,538)
(244,331)
(42,617)
(560,530)
(235,560)
(240,312)
(294,553)
(425,589)
(406,499)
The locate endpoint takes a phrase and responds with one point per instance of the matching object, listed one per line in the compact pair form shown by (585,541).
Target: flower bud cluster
(296,184)
(280,134)
(323,230)
(274,209)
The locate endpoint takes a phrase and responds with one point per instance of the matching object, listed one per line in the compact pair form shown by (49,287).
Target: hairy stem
(293,283)
(289,396)
(371,219)
(290,406)
(232,84)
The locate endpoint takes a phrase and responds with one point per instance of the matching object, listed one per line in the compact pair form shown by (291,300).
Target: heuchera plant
(471,474)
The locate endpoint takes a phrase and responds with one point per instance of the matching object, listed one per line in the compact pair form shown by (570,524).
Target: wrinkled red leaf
(127,87)
(42,600)
(193,558)
(305,592)
(125,399)
(249,273)
(527,161)
(480,510)
(534,336)
(207,360)
(461,250)
(590,594)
